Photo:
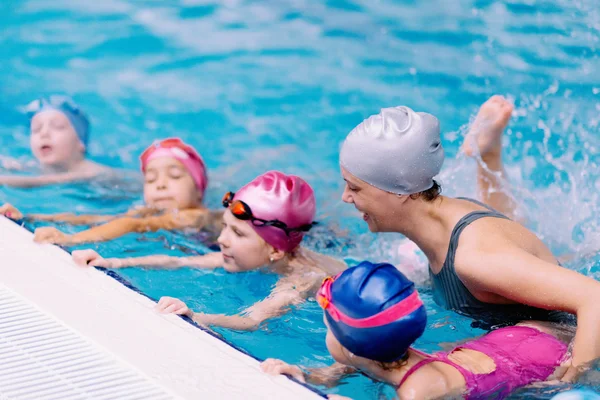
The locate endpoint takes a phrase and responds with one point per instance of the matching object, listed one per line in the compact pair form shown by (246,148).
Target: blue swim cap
(65,105)
(373,310)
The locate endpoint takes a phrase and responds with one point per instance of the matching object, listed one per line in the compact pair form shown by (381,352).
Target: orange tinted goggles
(242,211)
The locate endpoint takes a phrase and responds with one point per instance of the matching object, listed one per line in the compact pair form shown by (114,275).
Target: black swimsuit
(451,293)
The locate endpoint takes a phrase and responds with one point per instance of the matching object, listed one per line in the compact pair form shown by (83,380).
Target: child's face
(53,139)
(343,356)
(169,186)
(334,347)
(243,249)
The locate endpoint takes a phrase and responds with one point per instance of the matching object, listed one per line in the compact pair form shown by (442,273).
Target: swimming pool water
(277,85)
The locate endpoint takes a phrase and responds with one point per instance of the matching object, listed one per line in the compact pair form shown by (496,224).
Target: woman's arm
(523,278)
(326,376)
(113,229)
(91,258)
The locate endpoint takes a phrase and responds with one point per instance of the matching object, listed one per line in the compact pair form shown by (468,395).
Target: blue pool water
(277,85)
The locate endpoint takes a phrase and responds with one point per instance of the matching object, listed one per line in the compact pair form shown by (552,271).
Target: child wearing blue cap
(59,136)
(374,314)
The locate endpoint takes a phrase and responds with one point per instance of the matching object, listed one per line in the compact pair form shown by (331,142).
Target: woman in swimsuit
(480,262)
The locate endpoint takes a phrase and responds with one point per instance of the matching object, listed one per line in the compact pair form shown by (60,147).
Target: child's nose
(221,240)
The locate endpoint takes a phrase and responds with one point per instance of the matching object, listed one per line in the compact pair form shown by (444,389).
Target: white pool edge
(186,361)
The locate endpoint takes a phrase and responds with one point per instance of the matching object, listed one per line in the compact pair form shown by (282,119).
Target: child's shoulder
(418,384)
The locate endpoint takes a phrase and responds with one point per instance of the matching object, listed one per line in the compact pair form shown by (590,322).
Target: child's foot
(485,132)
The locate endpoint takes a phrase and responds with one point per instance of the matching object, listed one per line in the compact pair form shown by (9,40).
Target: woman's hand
(52,235)
(10,211)
(273,366)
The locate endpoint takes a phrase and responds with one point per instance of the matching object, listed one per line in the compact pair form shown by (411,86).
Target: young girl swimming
(263,225)
(373,315)
(174,183)
(58,140)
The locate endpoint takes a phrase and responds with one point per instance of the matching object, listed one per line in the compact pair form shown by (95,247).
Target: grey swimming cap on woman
(397,150)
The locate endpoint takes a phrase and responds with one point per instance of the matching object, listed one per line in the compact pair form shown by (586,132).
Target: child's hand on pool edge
(337,397)
(52,235)
(90,258)
(167,305)
(10,211)
(273,366)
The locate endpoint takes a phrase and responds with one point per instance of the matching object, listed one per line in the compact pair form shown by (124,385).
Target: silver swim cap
(397,150)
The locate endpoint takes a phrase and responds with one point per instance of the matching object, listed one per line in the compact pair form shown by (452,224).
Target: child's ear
(276,254)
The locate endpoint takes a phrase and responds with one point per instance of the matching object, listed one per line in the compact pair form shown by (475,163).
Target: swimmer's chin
(229,265)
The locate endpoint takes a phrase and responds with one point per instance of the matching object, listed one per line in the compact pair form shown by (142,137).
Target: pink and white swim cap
(275,196)
(182,152)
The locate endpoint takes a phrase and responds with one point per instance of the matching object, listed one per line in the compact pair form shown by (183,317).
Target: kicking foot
(485,134)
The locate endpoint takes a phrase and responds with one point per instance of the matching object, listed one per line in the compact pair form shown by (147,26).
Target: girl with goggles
(263,225)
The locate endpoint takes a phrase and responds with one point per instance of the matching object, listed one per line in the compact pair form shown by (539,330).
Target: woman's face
(243,249)
(378,208)
(53,140)
(169,186)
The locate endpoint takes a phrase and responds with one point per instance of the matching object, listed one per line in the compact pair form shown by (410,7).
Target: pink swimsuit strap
(439,357)
(522,355)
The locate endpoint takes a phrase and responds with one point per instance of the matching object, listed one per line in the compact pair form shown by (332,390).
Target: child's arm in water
(283,296)
(326,376)
(20,181)
(10,211)
(124,225)
(91,258)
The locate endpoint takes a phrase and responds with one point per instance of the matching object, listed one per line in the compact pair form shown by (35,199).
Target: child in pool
(59,136)
(373,315)
(263,225)
(174,183)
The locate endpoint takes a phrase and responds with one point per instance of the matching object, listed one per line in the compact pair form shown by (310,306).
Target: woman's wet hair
(430,194)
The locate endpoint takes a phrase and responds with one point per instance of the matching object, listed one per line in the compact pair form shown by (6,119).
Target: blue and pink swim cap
(65,105)
(373,310)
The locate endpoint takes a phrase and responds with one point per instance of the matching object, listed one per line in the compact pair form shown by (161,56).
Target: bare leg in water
(484,140)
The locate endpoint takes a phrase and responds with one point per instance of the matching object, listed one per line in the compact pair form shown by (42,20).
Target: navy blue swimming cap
(373,310)
(65,105)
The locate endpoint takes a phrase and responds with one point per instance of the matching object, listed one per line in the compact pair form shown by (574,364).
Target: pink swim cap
(185,154)
(277,196)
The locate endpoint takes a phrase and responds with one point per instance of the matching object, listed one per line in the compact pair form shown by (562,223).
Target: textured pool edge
(175,355)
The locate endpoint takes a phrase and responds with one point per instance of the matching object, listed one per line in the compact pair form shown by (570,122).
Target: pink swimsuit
(522,355)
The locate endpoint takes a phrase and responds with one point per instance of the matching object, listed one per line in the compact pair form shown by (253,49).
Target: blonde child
(263,226)
(59,136)
(175,180)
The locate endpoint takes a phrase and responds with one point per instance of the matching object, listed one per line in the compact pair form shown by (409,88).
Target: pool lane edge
(173,353)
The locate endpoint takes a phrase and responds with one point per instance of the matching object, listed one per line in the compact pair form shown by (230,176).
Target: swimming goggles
(243,212)
(387,316)
(55,101)
(174,144)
